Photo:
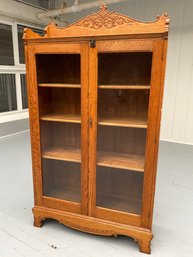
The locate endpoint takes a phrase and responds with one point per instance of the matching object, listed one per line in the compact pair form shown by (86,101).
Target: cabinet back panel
(124,68)
(119,189)
(123,140)
(58,68)
(59,100)
(61,179)
(123,103)
(54,134)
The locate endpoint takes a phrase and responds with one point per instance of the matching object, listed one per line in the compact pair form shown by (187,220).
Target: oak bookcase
(95,94)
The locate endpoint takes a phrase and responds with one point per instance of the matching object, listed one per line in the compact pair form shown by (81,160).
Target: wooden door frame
(57,48)
(154,119)
(126,45)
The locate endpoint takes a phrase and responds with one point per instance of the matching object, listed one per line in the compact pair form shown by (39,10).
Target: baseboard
(14,134)
(13,127)
(176,142)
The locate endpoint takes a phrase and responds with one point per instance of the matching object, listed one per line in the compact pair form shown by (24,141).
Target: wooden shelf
(63,154)
(105,159)
(64,193)
(118,122)
(71,118)
(118,202)
(59,85)
(123,122)
(138,87)
(121,161)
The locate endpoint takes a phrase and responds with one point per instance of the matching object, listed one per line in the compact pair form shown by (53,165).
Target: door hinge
(92,43)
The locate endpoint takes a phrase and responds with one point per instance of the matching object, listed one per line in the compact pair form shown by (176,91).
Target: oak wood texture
(75,118)
(60,153)
(94,226)
(123,122)
(59,85)
(120,160)
(95,113)
(106,159)
(124,87)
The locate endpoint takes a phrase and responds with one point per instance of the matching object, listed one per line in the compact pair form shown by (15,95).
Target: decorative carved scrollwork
(104,19)
(88,229)
(100,23)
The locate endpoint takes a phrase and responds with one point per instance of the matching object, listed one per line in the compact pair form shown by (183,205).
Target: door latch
(92,43)
(90,123)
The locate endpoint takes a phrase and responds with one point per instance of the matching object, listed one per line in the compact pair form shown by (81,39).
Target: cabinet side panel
(84,130)
(164,54)
(154,115)
(34,123)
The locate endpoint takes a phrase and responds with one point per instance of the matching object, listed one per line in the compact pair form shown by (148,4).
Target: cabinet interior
(58,68)
(123,107)
(58,104)
(61,135)
(61,180)
(114,139)
(126,68)
(122,114)
(123,100)
(119,189)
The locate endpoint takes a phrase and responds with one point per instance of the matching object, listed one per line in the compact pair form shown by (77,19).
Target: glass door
(61,88)
(123,90)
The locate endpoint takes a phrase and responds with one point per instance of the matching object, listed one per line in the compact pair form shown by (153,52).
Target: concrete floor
(173,213)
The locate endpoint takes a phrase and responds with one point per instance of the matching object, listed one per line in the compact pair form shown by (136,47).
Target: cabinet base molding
(94,226)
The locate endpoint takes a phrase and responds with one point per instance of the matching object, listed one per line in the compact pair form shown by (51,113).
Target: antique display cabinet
(95,95)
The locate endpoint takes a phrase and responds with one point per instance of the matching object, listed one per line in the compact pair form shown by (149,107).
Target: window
(13,91)
(24,91)
(8,100)
(6,45)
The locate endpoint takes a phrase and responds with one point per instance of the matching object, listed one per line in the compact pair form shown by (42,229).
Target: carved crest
(99,24)
(103,18)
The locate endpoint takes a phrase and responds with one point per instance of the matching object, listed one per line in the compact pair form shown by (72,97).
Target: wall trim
(175,141)
(13,116)
(14,134)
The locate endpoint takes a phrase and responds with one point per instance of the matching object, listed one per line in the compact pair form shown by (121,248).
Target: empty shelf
(61,153)
(106,159)
(64,193)
(123,122)
(118,202)
(121,161)
(138,87)
(71,118)
(59,85)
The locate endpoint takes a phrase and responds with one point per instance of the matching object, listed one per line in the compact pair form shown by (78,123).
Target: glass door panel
(129,69)
(59,93)
(119,189)
(123,97)
(61,179)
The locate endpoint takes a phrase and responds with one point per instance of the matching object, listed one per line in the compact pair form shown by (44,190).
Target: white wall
(177,117)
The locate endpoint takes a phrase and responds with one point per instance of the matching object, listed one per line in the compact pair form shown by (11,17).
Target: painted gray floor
(173,213)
